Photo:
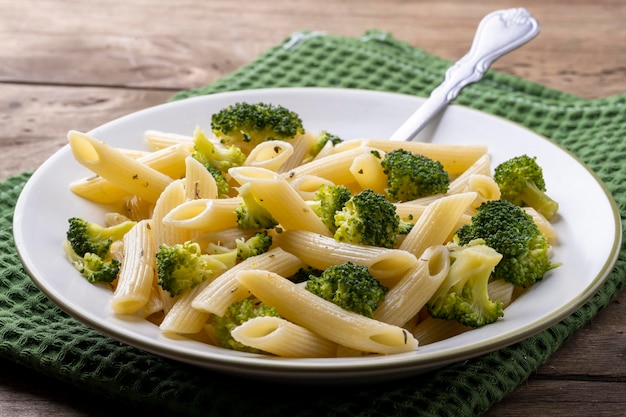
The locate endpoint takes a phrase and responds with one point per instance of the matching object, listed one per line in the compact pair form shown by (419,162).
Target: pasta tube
(455,158)
(169,161)
(226,289)
(321,252)
(113,165)
(271,154)
(283,202)
(368,172)
(199,183)
(405,299)
(172,196)
(283,338)
(136,276)
(306,309)
(437,222)
(205,214)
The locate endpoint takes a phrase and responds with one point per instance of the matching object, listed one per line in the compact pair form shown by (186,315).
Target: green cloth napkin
(37,334)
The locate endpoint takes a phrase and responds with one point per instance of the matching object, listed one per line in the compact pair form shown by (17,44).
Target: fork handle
(498,33)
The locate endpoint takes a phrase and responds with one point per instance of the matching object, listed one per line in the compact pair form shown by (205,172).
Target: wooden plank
(36,119)
(602,341)
(563,398)
(88,45)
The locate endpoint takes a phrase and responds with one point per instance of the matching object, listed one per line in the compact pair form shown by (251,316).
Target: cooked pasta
(113,165)
(283,338)
(327,319)
(321,252)
(136,276)
(406,298)
(174,199)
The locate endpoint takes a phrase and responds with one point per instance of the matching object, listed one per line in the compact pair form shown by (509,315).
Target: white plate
(588,225)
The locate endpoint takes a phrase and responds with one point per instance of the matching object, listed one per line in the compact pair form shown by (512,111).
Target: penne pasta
(182,318)
(485,188)
(431,330)
(301,145)
(438,221)
(368,171)
(406,298)
(172,197)
(544,225)
(205,214)
(455,158)
(199,182)
(271,154)
(225,289)
(113,165)
(334,167)
(501,291)
(169,161)
(307,185)
(158,140)
(136,276)
(321,252)
(328,320)
(283,202)
(283,338)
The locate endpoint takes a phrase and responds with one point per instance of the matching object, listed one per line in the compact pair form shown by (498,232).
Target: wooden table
(69,64)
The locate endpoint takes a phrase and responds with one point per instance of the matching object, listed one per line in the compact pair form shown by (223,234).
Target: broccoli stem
(534,197)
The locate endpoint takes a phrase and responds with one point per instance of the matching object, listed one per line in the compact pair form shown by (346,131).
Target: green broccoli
(257,244)
(327,201)
(463,295)
(509,230)
(248,124)
(368,218)
(304,274)
(236,314)
(91,266)
(220,157)
(521,182)
(251,214)
(350,286)
(183,266)
(88,237)
(411,176)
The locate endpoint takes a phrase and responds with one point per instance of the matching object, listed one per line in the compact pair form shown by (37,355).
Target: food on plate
(264,237)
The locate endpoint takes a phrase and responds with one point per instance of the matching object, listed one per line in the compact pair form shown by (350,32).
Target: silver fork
(498,33)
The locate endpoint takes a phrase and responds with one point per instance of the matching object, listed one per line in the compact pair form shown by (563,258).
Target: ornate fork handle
(498,33)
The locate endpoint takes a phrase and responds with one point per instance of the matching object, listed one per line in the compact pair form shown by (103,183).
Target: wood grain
(75,65)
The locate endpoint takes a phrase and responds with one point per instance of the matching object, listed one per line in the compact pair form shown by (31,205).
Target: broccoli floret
(183,266)
(221,157)
(411,176)
(251,214)
(236,314)
(89,237)
(463,295)
(327,201)
(368,218)
(305,273)
(509,230)
(257,244)
(248,124)
(320,142)
(223,187)
(91,266)
(521,182)
(350,286)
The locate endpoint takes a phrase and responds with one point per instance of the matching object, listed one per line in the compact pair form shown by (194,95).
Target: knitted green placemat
(37,334)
